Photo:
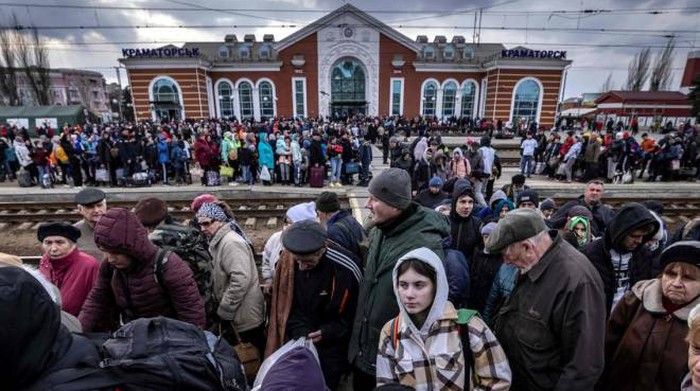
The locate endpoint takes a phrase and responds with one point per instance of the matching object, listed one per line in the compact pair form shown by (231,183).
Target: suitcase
(24,179)
(539,168)
(212,178)
(316,177)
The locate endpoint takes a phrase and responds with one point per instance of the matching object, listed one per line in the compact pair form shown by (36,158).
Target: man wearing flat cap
(324,282)
(64,265)
(92,204)
(552,327)
(401,225)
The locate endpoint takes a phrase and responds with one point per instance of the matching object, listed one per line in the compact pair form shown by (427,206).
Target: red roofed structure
(648,106)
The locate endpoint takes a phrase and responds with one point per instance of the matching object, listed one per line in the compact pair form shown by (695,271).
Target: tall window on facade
(429,96)
(299,91)
(163,91)
(245,99)
(225,92)
(449,94)
(526,101)
(468,99)
(267,108)
(396,96)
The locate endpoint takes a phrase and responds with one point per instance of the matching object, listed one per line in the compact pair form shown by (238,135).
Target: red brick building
(347,61)
(650,107)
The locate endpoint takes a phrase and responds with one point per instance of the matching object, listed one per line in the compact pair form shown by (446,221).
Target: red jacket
(176,296)
(203,153)
(75,275)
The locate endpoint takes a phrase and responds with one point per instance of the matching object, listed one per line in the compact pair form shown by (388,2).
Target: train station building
(346,62)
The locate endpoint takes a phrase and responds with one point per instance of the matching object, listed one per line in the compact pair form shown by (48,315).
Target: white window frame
(422,96)
(274,96)
(539,101)
(294,96)
(391,95)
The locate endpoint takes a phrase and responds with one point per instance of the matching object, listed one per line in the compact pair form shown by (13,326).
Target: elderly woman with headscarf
(645,346)
(236,286)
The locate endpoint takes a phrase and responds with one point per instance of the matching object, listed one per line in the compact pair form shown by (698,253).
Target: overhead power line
(369,11)
(400,26)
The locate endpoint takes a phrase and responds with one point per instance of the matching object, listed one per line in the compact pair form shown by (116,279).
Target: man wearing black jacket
(326,286)
(591,199)
(621,257)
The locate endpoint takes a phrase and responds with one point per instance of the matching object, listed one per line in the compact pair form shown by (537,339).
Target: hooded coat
(602,214)
(432,357)
(416,227)
(266,156)
(607,252)
(645,346)
(176,296)
(34,343)
(465,230)
(296,370)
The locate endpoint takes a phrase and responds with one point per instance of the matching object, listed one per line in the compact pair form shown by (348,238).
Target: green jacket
(377,304)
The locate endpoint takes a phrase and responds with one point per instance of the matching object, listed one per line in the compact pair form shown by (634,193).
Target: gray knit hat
(393,187)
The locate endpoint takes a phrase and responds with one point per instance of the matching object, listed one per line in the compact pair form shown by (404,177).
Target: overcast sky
(595,54)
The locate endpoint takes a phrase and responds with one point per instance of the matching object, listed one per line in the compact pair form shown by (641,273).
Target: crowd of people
(434,291)
(286,151)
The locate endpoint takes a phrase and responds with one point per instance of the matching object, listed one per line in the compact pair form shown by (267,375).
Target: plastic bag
(267,364)
(265,174)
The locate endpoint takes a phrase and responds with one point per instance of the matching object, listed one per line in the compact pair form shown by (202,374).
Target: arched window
(449,94)
(245,99)
(225,92)
(267,105)
(166,99)
(526,101)
(223,51)
(468,99)
(429,95)
(243,52)
(348,82)
(264,52)
(165,91)
(448,53)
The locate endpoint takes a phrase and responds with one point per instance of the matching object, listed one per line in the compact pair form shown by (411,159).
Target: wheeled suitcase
(24,178)
(316,177)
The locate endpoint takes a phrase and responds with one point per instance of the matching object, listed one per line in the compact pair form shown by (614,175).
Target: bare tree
(638,70)
(609,84)
(661,75)
(8,69)
(85,90)
(34,59)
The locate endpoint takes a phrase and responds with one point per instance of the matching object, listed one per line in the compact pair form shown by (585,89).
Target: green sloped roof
(40,111)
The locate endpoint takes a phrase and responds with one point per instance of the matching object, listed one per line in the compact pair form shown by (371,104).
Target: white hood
(441,289)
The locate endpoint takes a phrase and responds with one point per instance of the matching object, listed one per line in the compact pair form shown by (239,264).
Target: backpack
(463,317)
(190,245)
(167,354)
(232,151)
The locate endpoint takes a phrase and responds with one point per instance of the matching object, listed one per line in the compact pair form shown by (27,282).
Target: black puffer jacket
(630,217)
(465,230)
(34,343)
(483,269)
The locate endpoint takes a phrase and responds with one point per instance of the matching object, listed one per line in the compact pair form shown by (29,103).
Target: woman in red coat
(126,283)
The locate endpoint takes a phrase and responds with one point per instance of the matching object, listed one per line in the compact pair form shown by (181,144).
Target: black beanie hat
(686,251)
(58,229)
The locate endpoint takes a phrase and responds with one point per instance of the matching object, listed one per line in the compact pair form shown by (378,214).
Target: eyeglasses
(205,224)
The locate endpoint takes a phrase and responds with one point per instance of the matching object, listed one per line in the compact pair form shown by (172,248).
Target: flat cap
(58,229)
(89,196)
(514,227)
(304,237)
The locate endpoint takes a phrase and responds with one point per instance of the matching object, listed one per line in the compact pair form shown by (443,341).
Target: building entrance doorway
(348,85)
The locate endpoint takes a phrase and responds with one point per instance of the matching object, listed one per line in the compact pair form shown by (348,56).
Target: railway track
(252,214)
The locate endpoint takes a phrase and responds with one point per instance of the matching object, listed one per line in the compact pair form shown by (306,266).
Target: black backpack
(191,245)
(167,354)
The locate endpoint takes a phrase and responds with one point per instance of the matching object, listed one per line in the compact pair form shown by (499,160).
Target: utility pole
(121,94)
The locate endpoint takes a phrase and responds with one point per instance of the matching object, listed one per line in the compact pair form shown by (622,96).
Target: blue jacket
(265,155)
(163,152)
(177,156)
(366,153)
(503,285)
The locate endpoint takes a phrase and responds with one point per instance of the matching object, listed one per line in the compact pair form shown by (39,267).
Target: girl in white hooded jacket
(422,347)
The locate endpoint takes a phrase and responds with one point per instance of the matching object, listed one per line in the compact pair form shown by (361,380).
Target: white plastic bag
(265,367)
(265,174)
